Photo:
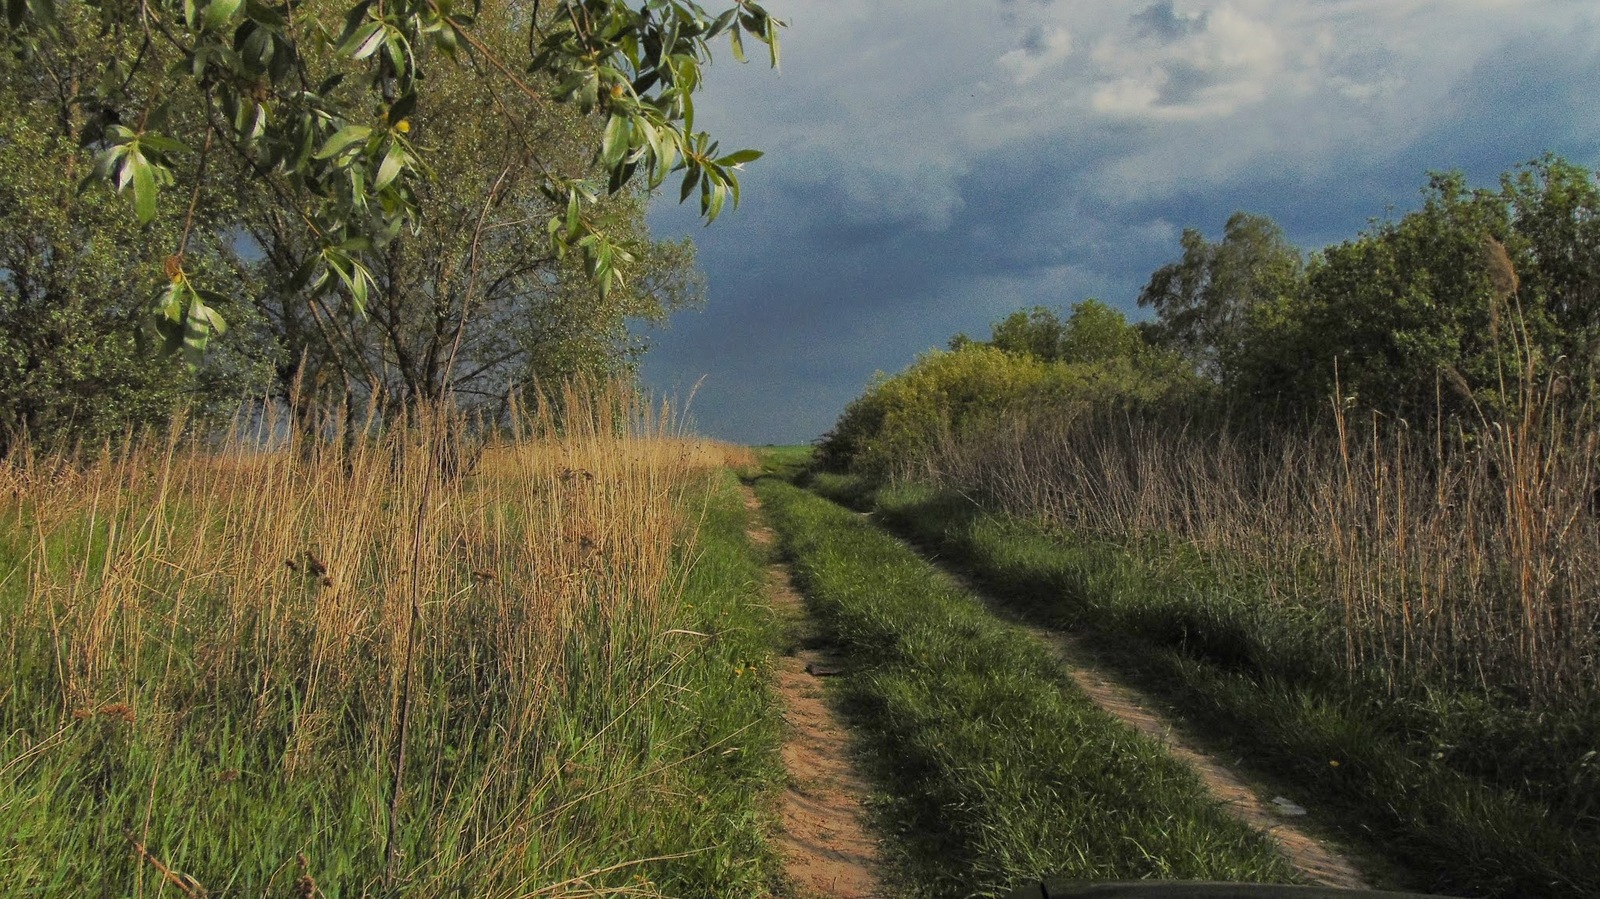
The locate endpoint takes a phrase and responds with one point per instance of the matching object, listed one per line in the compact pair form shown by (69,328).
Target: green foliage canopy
(472,302)
(1434,312)
(75,283)
(317,100)
(1203,300)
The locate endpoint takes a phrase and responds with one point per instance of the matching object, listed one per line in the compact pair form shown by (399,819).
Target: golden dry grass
(317,599)
(1469,555)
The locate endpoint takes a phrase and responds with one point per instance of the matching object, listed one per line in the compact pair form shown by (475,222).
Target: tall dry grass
(1438,554)
(410,677)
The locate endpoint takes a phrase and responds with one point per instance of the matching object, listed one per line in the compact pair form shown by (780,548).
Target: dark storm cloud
(1185,83)
(1532,94)
(1163,22)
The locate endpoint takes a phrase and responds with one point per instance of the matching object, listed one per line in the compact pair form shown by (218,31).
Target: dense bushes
(1035,363)
(1432,312)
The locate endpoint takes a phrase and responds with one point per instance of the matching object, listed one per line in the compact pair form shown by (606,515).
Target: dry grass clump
(410,672)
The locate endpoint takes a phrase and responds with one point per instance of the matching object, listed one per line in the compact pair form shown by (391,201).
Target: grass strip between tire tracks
(995,767)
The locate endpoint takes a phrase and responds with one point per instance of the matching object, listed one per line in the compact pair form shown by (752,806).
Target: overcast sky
(933,165)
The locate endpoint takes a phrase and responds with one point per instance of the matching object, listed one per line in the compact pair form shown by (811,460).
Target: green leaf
(614,143)
(719,193)
(353,19)
(689,181)
(161,144)
(365,42)
(169,304)
(219,12)
(170,335)
(167,321)
(302,274)
(573,218)
(342,139)
(740,158)
(393,161)
(722,22)
(402,108)
(144,186)
(352,274)
(736,41)
(263,14)
(445,39)
(213,318)
(588,94)
(198,326)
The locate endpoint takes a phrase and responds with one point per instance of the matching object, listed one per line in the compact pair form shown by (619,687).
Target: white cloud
(1209,65)
(1043,49)
(894,102)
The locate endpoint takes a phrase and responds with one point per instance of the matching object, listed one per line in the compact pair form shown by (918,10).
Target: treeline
(476,302)
(1454,312)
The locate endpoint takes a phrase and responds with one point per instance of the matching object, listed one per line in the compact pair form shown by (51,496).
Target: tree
(474,302)
(1091,333)
(1406,315)
(1032,332)
(1203,300)
(76,275)
(330,134)
(1555,217)
(1096,333)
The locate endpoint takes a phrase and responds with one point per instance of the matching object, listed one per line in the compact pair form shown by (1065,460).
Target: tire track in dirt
(1319,862)
(1315,859)
(826,848)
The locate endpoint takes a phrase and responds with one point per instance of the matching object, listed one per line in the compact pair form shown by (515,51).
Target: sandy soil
(826,846)
(1319,862)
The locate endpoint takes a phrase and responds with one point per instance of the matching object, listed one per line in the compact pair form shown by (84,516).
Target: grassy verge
(995,767)
(1401,776)
(716,817)
(213,663)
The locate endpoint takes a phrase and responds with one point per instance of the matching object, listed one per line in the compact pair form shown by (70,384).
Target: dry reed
(1467,556)
(277,588)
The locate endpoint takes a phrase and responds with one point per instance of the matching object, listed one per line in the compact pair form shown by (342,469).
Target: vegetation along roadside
(1343,508)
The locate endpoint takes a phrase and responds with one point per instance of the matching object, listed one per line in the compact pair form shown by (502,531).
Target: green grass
(651,769)
(1409,783)
(784,461)
(726,718)
(995,768)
